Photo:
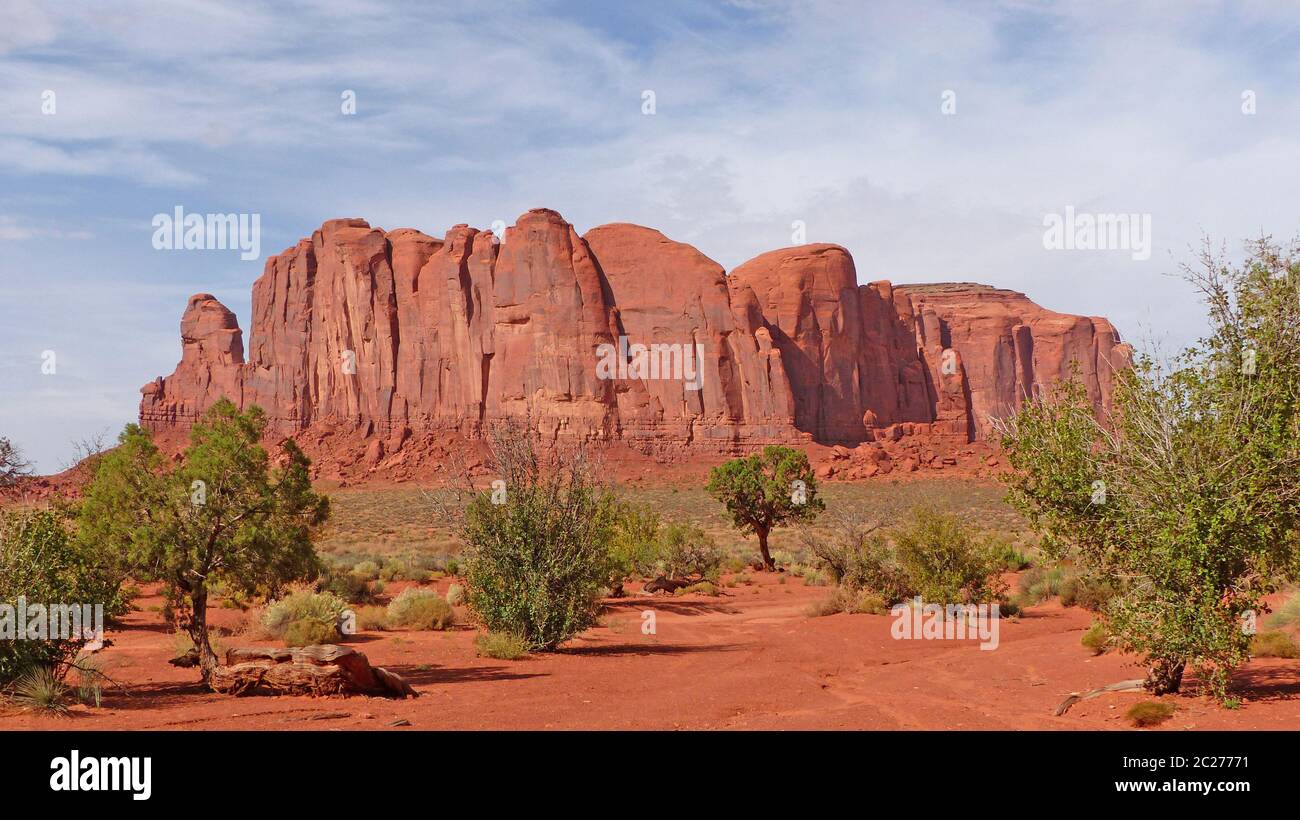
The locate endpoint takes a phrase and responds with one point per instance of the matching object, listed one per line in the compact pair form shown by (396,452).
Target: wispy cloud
(765,113)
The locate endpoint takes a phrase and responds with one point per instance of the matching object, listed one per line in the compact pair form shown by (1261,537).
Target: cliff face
(619,335)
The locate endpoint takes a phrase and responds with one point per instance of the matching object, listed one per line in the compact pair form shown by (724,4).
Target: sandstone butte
(393,345)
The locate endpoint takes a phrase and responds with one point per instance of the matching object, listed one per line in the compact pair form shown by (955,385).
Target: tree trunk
(199,630)
(768,563)
(1165,676)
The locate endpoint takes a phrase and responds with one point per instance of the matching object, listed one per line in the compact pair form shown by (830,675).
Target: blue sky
(766,113)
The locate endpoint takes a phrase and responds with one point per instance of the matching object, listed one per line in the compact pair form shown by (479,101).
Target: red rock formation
(619,335)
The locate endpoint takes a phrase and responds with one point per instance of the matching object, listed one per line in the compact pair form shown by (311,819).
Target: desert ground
(750,658)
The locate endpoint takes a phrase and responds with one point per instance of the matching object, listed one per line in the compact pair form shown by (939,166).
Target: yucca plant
(40,690)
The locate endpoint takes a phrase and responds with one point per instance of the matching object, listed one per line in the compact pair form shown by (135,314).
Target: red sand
(751,659)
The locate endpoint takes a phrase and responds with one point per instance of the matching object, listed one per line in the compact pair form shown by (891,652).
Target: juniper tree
(224,515)
(766,490)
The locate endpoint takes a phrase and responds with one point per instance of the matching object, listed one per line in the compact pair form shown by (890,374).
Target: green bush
(848,601)
(309,632)
(537,564)
(368,570)
(931,555)
(1038,584)
(417,608)
(700,588)
(41,563)
(634,542)
(372,618)
(1096,638)
(856,556)
(1186,490)
(455,594)
(351,587)
(501,645)
(303,603)
(687,551)
(1009,555)
(945,562)
(1288,614)
(1274,644)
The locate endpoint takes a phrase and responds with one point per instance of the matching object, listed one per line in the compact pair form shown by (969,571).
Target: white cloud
(766,113)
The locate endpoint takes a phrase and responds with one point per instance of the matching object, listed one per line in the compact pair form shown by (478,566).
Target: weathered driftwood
(324,669)
(1075,697)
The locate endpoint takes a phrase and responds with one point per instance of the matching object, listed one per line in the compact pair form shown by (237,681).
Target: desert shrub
(537,564)
(1096,638)
(1038,584)
(1274,644)
(1188,489)
(634,541)
(1089,593)
(456,595)
(945,561)
(392,571)
(368,570)
(734,563)
(849,601)
(1149,713)
(88,679)
(687,551)
(869,603)
(309,632)
(1288,614)
(42,563)
(350,587)
(372,618)
(855,555)
(701,588)
(40,689)
(303,603)
(833,604)
(1009,555)
(503,646)
(934,556)
(417,608)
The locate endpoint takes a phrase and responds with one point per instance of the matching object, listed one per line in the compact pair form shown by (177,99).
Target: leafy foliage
(224,514)
(1189,497)
(929,554)
(43,564)
(301,605)
(687,551)
(634,542)
(764,491)
(417,608)
(538,562)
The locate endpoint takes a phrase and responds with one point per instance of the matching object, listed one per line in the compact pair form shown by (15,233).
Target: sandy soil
(751,659)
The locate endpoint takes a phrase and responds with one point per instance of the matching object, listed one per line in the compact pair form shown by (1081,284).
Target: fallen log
(1075,697)
(325,669)
(665,584)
